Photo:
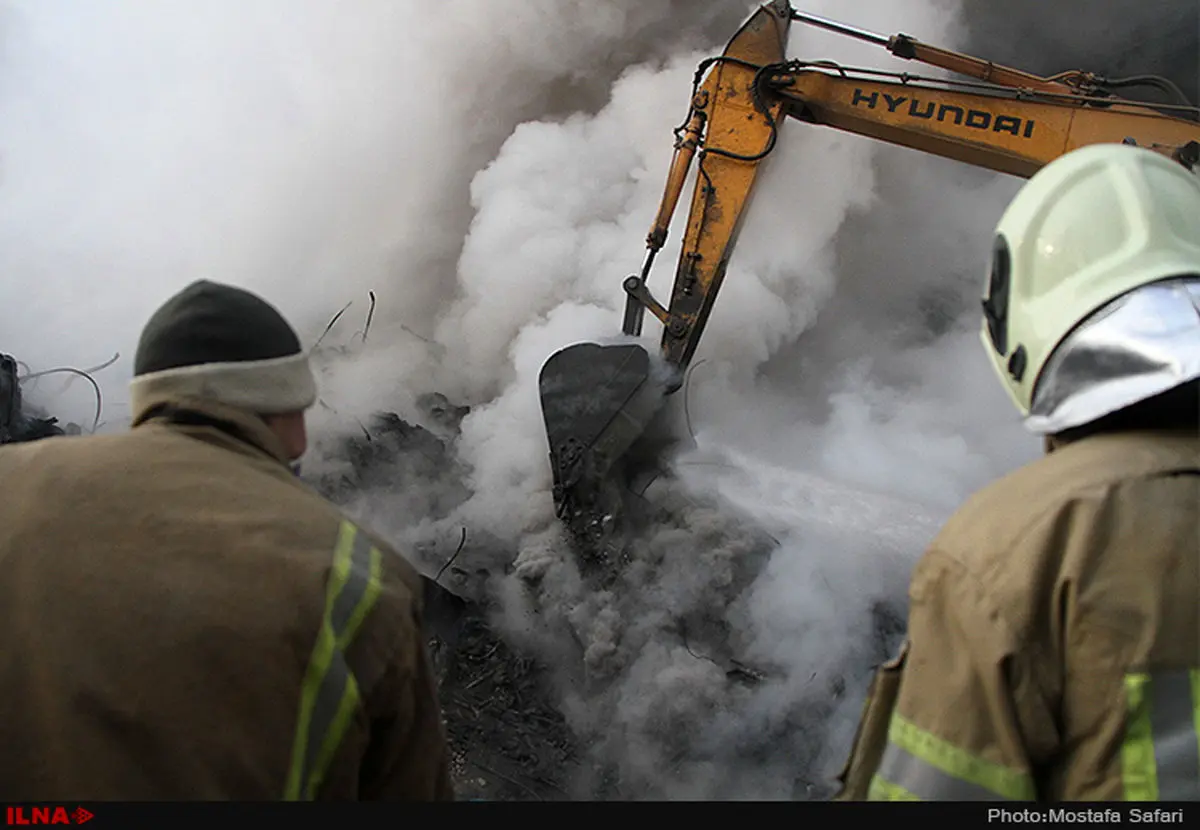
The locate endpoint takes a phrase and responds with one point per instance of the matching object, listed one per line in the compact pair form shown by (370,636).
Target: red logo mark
(46,815)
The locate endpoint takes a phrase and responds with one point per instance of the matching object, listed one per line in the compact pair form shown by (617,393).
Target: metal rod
(635,312)
(841,28)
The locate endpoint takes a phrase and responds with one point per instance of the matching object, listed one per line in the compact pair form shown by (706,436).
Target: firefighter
(184,618)
(1053,644)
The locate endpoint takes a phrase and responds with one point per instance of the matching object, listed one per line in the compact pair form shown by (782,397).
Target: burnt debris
(18,421)
(503,706)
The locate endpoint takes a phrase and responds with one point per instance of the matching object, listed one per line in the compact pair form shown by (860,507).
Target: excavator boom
(598,400)
(1007,132)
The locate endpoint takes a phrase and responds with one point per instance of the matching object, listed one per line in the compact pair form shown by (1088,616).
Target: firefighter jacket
(185,620)
(1053,648)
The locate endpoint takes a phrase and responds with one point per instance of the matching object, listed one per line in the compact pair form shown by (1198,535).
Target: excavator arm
(1012,122)
(597,400)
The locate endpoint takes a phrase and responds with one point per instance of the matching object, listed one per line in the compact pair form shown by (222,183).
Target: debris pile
(508,740)
(393,454)
(19,421)
(521,729)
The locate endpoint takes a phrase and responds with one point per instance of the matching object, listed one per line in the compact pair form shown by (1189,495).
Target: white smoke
(914,423)
(292,146)
(482,168)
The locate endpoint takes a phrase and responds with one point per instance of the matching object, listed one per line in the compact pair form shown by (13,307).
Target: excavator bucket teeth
(596,402)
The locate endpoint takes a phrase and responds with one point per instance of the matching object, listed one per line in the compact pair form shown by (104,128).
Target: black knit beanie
(222,343)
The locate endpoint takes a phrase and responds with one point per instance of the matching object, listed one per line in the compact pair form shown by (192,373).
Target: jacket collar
(181,412)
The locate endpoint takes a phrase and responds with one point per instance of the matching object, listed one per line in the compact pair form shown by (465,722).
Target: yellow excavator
(598,400)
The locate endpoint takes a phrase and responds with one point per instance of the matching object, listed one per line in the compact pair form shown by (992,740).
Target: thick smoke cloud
(490,170)
(1114,38)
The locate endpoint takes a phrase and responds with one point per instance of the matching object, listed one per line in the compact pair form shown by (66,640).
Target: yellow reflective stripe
(1160,756)
(1195,678)
(330,695)
(1137,752)
(927,768)
(352,607)
(881,790)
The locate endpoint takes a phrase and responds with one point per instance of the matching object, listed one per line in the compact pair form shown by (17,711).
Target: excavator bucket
(597,400)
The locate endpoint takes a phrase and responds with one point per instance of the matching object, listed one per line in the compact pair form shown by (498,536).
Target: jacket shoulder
(997,516)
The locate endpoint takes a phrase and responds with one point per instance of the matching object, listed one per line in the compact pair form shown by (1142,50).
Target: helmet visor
(1141,344)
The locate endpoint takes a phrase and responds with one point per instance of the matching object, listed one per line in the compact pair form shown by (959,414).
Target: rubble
(508,740)
(392,453)
(18,420)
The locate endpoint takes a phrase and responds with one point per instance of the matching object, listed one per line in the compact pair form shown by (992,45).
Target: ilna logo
(46,815)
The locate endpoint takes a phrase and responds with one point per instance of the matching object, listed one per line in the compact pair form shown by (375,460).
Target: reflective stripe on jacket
(330,695)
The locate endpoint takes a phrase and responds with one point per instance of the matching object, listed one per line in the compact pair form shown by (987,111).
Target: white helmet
(1085,231)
